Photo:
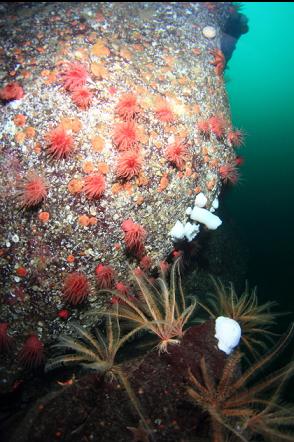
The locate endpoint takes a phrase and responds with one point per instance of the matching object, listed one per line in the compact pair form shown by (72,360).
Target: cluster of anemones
(76,287)
(129,163)
(228,172)
(126,138)
(213,125)
(74,77)
(217,126)
(60,144)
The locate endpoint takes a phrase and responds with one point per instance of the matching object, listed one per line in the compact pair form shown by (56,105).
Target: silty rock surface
(167,56)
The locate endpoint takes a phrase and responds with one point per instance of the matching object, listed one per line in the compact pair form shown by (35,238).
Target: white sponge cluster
(181,231)
(199,214)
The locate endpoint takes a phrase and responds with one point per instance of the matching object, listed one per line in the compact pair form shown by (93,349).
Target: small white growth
(181,231)
(200,200)
(191,230)
(178,231)
(209,32)
(228,334)
(215,203)
(15,238)
(203,216)
(14,104)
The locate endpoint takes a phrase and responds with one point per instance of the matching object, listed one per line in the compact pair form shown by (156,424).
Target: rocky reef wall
(114,117)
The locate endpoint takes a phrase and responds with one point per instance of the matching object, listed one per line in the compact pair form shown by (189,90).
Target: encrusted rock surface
(159,53)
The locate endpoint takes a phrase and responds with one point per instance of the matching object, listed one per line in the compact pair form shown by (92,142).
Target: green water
(261,91)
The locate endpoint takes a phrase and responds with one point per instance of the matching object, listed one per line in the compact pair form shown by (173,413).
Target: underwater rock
(109,122)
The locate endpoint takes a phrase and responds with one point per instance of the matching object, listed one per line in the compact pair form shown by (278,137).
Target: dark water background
(261,91)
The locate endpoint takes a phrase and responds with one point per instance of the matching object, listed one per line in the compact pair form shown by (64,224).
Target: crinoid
(255,320)
(160,308)
(91,351)
(274,422)
(98,353)
(237,407)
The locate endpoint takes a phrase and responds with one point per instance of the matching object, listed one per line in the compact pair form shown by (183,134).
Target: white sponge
(203,216)
(200,200)
(228,333)
(191,230)
(178,231)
